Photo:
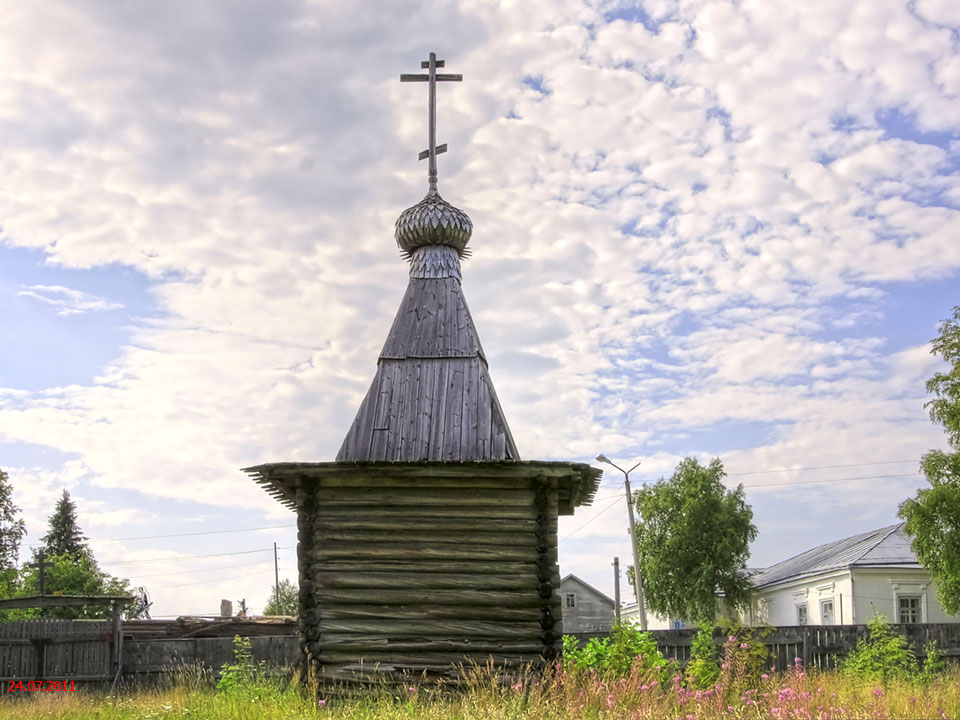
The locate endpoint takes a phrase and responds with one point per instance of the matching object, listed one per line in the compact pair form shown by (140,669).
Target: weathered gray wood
(334,523)
(427,660)
(433,536)
(428,628)
(448,497)
(462,600)
(426,581)
(334,609)
(502,512)
(422,551)
(332,641)
(515,568)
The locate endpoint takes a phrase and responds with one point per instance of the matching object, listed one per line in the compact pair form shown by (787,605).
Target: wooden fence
(817,646)
(57,650)
(84,649)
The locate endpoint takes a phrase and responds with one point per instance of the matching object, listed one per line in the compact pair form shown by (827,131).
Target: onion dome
(433,221)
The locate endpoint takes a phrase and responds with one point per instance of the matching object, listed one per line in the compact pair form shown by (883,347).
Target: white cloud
(68,301)
(688,228)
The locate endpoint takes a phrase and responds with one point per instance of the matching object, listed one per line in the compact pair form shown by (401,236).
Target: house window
(826,612)
(908,607)
(570,600)
(801,614)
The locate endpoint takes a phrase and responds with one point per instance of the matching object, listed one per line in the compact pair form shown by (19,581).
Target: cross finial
(432,77)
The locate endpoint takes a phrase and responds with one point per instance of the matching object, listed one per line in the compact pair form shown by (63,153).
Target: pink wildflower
(878,692)
(724,666)
(732,638)
(321,703)
(764,677)
(743,646)
(654,683)
(411,690)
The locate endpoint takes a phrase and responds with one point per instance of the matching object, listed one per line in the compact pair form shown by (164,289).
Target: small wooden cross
(41,564)
(432,78)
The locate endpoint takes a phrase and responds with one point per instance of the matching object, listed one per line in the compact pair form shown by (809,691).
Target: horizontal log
(433,536)
(336,611)
(526,568)
(427,481)
(426,628)
(473,511)
(425,581)
(437,521)
(427,660)
(352,642)
(458,599)
(312,473)
(448,497)
(421,551)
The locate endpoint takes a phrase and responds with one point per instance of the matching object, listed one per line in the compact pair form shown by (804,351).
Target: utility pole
(616,589)
(276,577)
(638,585)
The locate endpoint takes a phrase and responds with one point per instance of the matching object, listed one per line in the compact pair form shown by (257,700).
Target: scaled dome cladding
(433,221)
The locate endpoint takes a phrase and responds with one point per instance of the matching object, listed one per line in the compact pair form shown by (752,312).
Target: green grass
(558,695)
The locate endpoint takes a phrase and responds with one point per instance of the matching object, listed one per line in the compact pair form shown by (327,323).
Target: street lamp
(638,584)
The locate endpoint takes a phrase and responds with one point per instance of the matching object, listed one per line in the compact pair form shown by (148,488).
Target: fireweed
(647,688)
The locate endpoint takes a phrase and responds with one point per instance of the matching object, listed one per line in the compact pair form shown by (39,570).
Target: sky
(701,229)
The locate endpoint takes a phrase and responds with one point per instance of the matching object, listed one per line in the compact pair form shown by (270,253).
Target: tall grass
(646,688)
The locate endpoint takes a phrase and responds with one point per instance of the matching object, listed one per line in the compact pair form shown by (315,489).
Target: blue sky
(702,228)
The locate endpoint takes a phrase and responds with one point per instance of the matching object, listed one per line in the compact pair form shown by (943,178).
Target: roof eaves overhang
(577,483)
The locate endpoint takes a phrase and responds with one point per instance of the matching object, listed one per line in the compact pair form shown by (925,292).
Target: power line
(205,532)
(202,582)
(608,507)
(222,567)
(818,467)
(815,482)
(824,467)
(186,557)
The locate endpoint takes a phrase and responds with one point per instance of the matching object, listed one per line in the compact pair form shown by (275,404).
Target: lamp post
(638,584)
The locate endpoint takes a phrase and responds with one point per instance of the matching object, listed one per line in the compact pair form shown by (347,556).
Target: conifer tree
(64,536)
(12,528)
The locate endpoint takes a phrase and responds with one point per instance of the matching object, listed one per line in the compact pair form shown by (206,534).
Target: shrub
(703,668)
(628,648)
(882,655)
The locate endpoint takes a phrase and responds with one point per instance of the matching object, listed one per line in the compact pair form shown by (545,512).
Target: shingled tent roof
(432,397)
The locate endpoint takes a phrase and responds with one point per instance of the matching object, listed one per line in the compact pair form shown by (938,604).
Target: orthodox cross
(432,77)
(41,564)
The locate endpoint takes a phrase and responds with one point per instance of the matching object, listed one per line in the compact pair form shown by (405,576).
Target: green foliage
(933,516)
(884,654)
(287,603)
(64,535)
(245,680)
(935,663)
(71,574)
(239,674)
(703,668)
(627,648)
(693,540)
(12,530)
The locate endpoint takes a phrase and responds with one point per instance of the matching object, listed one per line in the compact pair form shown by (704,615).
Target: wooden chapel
(428,542)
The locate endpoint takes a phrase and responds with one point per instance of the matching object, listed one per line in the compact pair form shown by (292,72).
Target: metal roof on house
(884,547)
(583,583)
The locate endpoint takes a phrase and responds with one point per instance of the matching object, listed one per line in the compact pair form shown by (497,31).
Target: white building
(839,583)
(844,582)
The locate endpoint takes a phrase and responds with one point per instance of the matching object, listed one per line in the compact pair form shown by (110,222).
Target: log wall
(424,574)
